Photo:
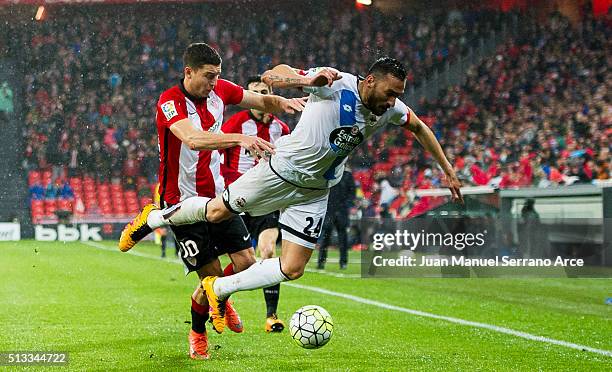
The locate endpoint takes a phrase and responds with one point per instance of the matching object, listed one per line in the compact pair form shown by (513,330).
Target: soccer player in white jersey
(237,161)
(342,111)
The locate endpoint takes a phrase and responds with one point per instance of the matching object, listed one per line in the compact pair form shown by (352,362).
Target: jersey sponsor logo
(169,110)
(215,127)
(343,140)
(347,108)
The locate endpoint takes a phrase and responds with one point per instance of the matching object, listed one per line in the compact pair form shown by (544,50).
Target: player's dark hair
(388,65)
(199,54)
(253,79)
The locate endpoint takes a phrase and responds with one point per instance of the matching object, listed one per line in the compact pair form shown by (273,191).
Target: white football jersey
(332,124)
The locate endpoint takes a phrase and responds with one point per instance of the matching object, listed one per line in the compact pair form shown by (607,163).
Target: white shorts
(261,191)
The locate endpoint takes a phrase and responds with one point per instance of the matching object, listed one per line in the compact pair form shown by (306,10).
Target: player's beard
(380,109)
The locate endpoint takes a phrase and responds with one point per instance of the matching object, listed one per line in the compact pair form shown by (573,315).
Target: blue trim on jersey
(330,174)
(348,104)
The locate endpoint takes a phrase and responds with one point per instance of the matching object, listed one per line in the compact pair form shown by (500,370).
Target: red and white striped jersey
(184,172)
(237,160)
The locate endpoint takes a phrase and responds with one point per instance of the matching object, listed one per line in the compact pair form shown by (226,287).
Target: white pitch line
(337,260)
(133,253)
(177,261)
(331,273)
(450,319)
(491,327)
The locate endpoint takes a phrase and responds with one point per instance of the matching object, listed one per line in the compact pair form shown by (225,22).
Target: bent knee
(216,214)
(293,272)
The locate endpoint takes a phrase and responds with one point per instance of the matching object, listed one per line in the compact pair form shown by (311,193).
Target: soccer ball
(311,326)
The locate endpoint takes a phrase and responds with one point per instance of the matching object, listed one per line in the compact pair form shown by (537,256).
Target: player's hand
(267,118)
(454,185)
(291,105)
(326,76)
(257,146)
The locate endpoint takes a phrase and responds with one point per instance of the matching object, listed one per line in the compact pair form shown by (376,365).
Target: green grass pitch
(115,311)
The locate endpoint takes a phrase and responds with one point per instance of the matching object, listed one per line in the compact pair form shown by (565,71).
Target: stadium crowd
(92,85)
(536,113)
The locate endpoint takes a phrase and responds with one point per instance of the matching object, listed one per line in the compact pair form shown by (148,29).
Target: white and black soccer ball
(311,326)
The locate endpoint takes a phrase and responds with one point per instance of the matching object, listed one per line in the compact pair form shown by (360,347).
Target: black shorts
(201,243)
(256,225)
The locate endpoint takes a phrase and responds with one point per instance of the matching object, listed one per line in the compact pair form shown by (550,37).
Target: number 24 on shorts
(308,230)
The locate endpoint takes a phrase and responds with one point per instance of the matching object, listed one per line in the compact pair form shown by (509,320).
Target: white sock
(260,275)
(190,210)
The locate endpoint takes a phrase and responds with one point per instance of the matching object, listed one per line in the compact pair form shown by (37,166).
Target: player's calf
(242,260)
(294,258)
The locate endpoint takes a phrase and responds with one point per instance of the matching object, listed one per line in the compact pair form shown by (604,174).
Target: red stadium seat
(33,177)
(64,204)
(50,207)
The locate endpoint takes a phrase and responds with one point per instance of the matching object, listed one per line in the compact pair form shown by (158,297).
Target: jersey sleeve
(171,108)
(322,92)
(399,114)
(230,93)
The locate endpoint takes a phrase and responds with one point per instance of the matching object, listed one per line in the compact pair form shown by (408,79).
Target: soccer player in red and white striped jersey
(236,161)
(189,117)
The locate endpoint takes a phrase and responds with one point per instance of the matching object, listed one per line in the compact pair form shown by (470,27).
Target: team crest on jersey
(169,110)
(240,202)
(214,103)
(343,140)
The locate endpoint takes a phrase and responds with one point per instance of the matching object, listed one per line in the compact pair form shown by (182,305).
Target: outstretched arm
(204,140)
(428,140)
(285,76)
(271,103)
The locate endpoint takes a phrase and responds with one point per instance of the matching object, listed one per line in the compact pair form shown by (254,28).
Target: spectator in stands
(6,100)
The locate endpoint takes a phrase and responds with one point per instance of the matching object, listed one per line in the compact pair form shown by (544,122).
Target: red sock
(199,316)
(200,309)
(229,270)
